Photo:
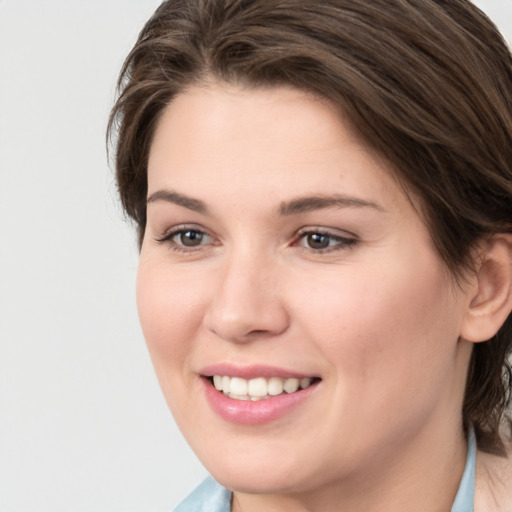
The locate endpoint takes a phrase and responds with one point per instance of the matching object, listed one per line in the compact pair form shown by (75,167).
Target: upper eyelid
(334,232)
(333,236)
(174,230)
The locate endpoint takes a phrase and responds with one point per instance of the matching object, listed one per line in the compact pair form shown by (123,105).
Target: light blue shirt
(464,501)
(212,497)
(207,497)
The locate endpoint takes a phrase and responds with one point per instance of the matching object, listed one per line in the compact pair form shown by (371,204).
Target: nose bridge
(246,302)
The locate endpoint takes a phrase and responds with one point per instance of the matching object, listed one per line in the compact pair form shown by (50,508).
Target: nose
(246,303)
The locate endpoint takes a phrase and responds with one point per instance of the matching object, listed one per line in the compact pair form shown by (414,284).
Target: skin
(378,319)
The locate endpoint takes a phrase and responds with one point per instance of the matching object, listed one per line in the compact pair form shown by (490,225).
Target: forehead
(270,139)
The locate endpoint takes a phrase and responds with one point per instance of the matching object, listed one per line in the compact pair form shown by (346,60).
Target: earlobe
(491,303)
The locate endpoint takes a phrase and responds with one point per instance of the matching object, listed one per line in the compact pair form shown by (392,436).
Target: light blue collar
(464,501)
(209,496)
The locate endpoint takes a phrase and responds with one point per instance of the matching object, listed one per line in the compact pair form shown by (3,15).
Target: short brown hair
(427,83)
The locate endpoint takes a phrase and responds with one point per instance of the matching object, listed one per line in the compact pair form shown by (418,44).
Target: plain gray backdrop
(83,424)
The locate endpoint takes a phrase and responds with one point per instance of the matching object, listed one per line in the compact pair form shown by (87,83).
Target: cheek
(387,325)
(170,314)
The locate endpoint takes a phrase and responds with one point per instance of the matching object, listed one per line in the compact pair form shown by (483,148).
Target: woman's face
(279,251)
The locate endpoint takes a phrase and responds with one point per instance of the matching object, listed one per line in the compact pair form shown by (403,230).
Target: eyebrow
(296,206)
(318,202)
(181,200)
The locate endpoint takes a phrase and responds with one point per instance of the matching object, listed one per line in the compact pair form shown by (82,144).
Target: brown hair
(426,82)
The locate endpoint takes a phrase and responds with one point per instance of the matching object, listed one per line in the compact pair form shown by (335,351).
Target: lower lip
(247,412)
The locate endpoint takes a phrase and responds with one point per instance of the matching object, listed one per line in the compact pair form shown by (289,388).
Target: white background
(83,425)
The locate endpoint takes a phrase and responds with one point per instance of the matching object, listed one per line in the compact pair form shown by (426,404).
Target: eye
(186,239)
(323,241)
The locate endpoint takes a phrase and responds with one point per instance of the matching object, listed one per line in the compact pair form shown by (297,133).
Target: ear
(491,298)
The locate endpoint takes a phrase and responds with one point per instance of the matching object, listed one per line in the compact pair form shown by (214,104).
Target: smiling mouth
(259,388)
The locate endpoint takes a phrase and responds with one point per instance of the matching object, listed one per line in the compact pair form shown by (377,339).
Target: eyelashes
(316,240)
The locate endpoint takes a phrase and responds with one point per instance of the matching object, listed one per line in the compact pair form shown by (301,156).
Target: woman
(323,196)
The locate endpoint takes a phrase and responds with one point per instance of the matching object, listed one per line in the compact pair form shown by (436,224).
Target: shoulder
(493,489)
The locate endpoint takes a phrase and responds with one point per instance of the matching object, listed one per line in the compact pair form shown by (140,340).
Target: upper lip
(251,371)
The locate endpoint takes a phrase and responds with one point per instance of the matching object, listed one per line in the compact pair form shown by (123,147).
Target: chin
(261,474)
(258,481)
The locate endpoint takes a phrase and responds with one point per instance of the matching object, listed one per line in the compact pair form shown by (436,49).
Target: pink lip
(250,372)
(246,412)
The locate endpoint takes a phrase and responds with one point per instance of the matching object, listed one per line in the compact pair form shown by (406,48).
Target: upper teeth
(259,388)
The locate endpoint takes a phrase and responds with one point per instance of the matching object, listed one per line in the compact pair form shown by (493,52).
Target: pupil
(318,241)
(191,238)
